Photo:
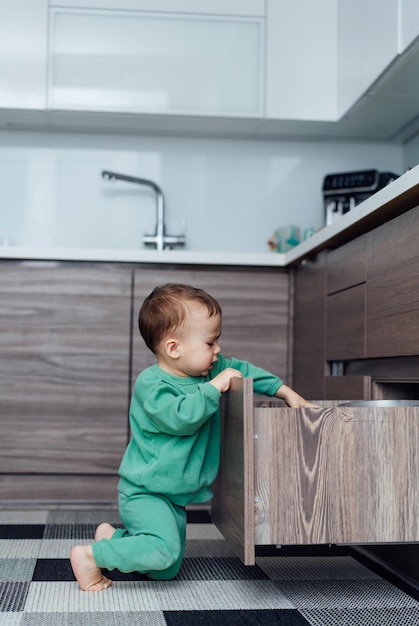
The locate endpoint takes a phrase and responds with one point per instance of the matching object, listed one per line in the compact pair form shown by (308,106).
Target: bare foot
(88,574)
(104,531)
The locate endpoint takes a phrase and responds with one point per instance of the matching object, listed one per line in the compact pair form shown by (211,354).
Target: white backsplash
(233,194)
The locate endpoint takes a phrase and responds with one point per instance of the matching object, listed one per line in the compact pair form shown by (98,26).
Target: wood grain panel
(255,312)
(309,312)
(345,324)
(348,387)
(300,469)
(346,266)
(392,314)
(338,475)
(63,489)
(64,344)
(232,508)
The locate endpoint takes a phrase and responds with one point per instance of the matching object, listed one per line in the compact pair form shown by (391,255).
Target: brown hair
(165,309)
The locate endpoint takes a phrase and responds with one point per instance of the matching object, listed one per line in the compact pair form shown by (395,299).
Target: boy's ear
(172,348)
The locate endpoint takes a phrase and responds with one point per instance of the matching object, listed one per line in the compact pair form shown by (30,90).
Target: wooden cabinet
(255,312)
(371,314)
(70,351)
(309,310)
(373,301)
(392,324)
(64,345)
(345,303)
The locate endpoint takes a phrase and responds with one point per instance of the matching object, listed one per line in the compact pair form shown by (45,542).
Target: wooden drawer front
(315,476)
(346,266)
(345,322)
(348,387)
(392,318)
(336,475)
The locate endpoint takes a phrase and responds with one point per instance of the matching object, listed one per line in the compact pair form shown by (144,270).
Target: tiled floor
(37,586)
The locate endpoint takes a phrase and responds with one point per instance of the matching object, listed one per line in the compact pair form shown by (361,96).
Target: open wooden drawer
(315,476)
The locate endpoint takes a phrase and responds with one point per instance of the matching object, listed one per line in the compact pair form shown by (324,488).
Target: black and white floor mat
(37,586)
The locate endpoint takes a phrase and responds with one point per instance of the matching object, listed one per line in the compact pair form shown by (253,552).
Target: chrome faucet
(160,240)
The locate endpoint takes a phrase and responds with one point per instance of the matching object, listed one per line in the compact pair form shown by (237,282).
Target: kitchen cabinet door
(255,312)
(155,62)
(309,310)
(368,41)
(23,54)
(64,370)
(301,64)
(200,7)
(348,387)
(346,265)
(392,318)
(409,23)
(345,324)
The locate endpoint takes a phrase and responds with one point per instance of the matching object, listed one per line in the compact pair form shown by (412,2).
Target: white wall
(232,193)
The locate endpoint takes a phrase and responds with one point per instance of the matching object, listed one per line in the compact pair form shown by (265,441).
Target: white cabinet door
(409,23)
(23,53)
(143,62)
(301,59)
(368,42)
(203,7)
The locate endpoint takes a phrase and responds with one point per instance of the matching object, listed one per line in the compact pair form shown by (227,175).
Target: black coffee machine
(343,191)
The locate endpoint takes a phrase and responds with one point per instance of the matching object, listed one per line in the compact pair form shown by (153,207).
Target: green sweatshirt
(175,424)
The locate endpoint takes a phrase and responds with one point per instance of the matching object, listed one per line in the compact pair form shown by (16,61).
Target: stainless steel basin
(381,403)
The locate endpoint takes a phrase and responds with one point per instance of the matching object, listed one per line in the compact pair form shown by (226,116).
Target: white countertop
(403,191)
(176,257)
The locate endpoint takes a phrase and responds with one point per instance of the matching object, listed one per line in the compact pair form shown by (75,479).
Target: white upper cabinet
(187,60)
(23,53)
(409,23)
(301,42)
(368,43)
(323,56)
(155,61)
(253,8)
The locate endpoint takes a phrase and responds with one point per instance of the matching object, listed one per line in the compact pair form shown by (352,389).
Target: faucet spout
(159,239)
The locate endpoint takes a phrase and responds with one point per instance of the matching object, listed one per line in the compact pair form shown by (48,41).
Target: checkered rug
(37,586)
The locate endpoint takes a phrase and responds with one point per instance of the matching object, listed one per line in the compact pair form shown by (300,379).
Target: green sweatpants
(152,542)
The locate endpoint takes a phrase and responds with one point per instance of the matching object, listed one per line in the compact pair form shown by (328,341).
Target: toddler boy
(172,458)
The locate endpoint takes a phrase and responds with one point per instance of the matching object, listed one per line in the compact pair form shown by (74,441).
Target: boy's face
(194,347)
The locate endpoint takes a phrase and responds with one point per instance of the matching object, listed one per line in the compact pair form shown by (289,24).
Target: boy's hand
(223,380)
(293,399)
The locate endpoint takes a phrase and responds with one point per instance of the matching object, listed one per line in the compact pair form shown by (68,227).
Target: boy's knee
(168,573)
(170,561)
(168,549)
